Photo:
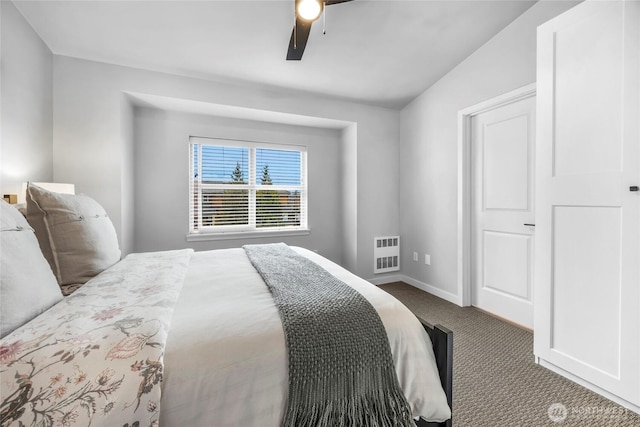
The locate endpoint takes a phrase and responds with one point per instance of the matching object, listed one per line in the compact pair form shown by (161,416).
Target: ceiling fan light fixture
(309,10)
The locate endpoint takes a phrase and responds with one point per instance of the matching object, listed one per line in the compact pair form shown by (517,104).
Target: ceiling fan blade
(298,41)
(330,2)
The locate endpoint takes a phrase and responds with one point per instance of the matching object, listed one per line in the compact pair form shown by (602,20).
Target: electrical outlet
(415,256)
(427,259)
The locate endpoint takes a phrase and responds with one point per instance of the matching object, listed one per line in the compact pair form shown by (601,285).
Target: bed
(185,338)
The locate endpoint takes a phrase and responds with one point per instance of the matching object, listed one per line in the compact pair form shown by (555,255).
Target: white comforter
(226,361)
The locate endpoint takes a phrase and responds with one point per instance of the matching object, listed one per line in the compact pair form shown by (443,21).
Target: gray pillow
(27,284)
(75,234)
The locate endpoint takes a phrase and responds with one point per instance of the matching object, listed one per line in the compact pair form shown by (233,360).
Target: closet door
(587,258)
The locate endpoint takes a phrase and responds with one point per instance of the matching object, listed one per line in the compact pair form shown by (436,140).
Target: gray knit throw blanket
(341,370)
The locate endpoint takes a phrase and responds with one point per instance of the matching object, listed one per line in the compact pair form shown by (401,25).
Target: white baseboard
(382,280)
(447,296)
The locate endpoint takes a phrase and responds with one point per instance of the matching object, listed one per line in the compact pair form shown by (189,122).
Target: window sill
(197,237)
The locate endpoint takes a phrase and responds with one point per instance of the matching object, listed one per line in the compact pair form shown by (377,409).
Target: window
(241,186)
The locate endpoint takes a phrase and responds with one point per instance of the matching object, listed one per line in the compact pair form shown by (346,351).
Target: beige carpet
(495,379)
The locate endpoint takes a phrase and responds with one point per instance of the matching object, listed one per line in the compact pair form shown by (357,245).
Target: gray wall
(93,144)
(161,160)
(26,91)
(429,146)
(349,167)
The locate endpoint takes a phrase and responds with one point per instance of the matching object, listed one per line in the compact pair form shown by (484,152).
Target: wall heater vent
(386,254)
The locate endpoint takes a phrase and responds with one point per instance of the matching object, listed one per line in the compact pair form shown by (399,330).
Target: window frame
(250,230)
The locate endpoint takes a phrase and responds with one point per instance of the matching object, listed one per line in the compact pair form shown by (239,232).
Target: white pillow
(27,285)
(75,234)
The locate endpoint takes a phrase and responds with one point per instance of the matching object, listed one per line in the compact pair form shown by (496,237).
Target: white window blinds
(238,186)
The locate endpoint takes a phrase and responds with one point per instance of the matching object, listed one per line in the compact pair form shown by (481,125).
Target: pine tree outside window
(241,186)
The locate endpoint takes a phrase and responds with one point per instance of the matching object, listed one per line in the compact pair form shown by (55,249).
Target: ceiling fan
(307,11)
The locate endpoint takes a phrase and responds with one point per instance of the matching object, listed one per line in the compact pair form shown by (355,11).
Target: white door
(588,216)
(502,212)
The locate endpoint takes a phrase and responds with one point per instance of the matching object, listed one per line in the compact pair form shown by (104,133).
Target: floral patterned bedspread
(95,358)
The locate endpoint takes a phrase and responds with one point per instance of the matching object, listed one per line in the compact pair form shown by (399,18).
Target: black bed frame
(442,340)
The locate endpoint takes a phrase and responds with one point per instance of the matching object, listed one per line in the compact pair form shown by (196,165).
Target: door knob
(633,188)
(530,225)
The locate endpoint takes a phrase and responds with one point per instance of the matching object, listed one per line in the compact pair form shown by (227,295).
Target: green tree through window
(268,205)
(237,177)
(266,179)
(235,203)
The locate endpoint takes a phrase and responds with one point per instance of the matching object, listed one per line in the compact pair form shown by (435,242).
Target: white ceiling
(383,52)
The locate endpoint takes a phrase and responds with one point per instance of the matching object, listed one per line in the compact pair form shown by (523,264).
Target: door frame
(464,181)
